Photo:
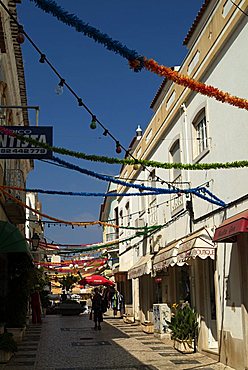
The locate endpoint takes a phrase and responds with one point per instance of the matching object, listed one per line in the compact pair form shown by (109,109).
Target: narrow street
(71,343)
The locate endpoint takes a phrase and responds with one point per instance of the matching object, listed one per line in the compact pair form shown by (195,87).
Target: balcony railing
(15,211)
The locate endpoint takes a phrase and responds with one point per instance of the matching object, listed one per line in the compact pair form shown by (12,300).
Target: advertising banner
(12,147)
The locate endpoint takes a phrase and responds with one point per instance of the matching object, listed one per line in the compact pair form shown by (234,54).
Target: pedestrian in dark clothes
(36,307)
(97,309)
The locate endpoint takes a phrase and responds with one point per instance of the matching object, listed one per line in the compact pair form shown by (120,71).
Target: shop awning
(229,229)
(11,239)
(198,244)
(142,267)
(166,257)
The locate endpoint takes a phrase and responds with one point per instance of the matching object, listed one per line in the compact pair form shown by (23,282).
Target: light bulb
(118,147)
(136,166)
(59,90)
(93,123)
(60,87)
(20,38)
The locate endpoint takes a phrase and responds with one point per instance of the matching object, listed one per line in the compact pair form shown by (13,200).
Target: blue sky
(119,97)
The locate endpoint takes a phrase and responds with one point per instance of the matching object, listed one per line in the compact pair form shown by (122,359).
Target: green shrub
(184,324)
(7,343)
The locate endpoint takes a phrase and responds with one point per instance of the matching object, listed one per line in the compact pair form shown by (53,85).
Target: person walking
(118,303)
(97,309)
(36,307)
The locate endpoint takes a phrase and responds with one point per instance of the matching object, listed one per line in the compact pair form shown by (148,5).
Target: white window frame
(200,135)
(175,172)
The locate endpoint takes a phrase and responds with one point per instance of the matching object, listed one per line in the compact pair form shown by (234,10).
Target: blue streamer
(72,20)
(196,191)
(85,194)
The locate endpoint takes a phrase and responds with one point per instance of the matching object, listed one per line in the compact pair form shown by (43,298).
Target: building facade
(14,250)
(200,252)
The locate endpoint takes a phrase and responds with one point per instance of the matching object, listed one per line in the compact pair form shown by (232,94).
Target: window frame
(200,129)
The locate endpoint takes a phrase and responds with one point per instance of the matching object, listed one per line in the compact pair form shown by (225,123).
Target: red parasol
(95,280)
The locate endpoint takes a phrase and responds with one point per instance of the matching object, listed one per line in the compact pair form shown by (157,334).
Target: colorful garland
(208,90)
(87,223)
(136,61)
(196,191)
(126,161)
(81,194)
(89,31)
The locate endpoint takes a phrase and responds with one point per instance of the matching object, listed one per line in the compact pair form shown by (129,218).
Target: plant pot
(5,356)
(184,346)
(128,319)
(18,333)
(147,327)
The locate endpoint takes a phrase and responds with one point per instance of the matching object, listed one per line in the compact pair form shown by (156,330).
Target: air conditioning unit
(139,222)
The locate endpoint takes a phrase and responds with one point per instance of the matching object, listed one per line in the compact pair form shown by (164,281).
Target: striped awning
(142,267)
(166,257)
(198,244)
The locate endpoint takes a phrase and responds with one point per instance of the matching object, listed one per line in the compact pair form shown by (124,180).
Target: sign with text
(13,147)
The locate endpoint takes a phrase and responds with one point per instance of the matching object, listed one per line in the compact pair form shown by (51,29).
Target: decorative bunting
(126,161)
(136,61)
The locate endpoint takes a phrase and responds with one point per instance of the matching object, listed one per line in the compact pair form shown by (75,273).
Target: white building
(203,247)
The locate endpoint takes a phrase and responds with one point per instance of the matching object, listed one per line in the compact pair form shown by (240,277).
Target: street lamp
(35,240)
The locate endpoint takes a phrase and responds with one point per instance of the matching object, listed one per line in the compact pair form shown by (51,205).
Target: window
(152,180)
(175,154)
(121,222)
(127,207)
(142,203)
(116,222)
(201,134)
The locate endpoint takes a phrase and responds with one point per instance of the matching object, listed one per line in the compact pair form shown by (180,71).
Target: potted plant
(184,328)
(7,347)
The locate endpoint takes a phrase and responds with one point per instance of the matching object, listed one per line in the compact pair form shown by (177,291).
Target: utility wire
(239,8)
(43,59)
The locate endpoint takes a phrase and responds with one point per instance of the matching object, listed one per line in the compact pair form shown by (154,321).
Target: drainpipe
(185,134)
(189,203)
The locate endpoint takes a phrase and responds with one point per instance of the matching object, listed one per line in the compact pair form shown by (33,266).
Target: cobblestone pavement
(71,343)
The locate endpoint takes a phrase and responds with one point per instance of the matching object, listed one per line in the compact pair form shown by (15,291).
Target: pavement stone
(71,343)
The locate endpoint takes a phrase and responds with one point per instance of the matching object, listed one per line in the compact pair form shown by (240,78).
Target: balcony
(15,212)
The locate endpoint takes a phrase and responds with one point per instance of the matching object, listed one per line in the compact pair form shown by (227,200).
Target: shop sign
(12,147)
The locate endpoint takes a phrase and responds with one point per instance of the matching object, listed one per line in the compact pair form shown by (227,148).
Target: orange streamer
(211,91)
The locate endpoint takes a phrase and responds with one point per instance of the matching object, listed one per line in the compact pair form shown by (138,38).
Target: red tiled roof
(196,21)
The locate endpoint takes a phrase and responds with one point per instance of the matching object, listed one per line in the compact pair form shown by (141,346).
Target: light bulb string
(136,61)
(81,194)
(170,183)
(79,100)
(144,234)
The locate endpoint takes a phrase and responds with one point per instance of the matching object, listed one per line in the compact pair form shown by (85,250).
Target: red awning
(230,228)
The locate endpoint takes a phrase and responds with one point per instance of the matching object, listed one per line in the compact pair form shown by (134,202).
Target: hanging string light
(137,61)
(118,147)
(59,89)
(105,133)
(20,38)
(42,58)
(93,122)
